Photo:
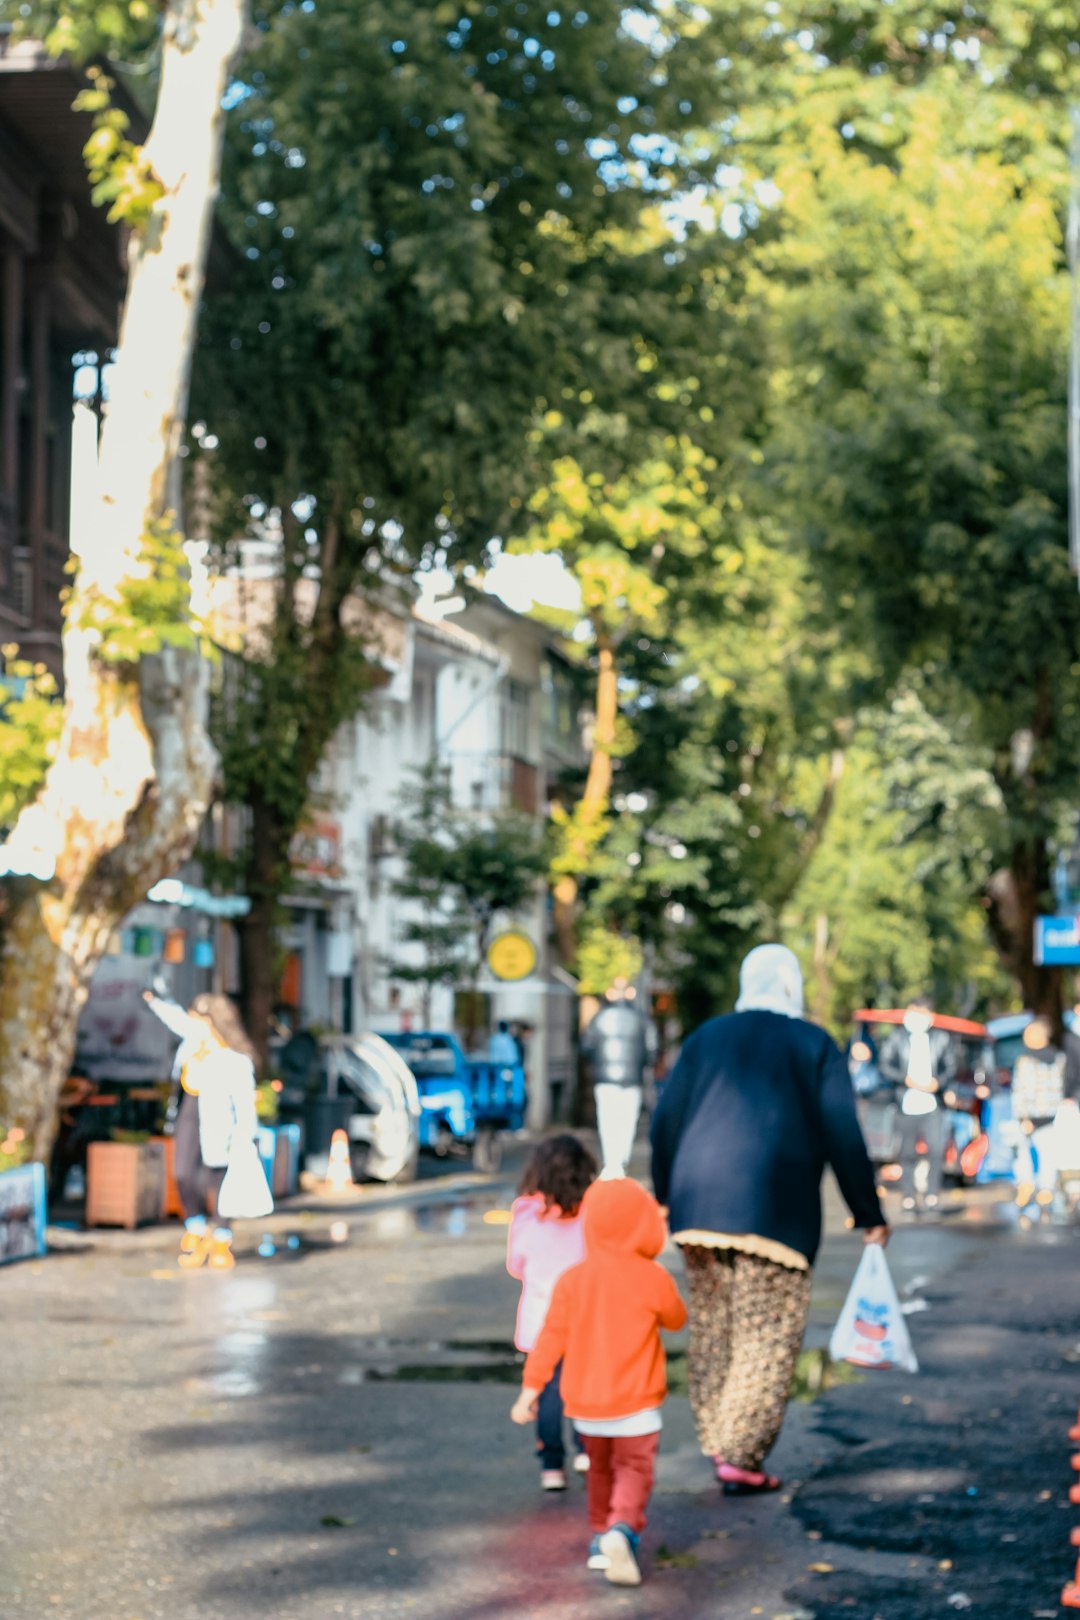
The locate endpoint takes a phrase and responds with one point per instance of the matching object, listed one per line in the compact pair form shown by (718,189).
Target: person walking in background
(603,1327)
(922,1060)
(216,1066)
(503,1049)
(1044,1077)
(546,1238)
(615,1047)
(759,1103)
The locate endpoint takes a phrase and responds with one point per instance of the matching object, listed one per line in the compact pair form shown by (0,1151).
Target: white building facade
(489,695)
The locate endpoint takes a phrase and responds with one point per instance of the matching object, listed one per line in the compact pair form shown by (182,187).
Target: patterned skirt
(747,1319)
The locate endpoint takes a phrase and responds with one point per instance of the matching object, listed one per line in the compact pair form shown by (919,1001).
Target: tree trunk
(820,969)
(267,848)
(816,831)
(123,801)
(586,823)
(1015,899)
(256,937)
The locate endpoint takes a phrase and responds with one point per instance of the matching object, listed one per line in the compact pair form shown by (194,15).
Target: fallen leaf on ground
(333,1522)
(821,1569)
(666,1559)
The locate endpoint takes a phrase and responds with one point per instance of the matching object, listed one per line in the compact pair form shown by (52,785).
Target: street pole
(1073,244)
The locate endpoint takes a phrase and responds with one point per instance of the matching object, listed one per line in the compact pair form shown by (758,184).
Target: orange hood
(621,1215)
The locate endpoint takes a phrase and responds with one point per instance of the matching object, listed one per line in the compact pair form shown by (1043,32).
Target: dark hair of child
(561,1168)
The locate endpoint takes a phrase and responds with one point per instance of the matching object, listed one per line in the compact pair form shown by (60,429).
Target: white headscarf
(770,980)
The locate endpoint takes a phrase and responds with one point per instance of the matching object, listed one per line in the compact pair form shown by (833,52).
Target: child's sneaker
(581,1463)
(553,1479)
(619,1546)
(596,1558)
(221,1256)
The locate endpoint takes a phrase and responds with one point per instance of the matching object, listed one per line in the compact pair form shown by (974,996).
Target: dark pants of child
(549,1425)
(621,1472)
(194,1179)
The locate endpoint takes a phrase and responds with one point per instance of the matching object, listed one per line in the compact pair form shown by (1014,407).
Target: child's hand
(524,1408)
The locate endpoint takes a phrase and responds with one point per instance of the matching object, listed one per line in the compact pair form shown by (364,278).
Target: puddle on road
(460,1218)
(436,1372)
(815,1371)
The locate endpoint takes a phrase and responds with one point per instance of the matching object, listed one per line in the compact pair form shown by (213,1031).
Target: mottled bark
(122,802)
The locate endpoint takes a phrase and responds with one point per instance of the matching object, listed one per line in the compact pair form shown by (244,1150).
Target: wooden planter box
(124,1183)
(170,1194)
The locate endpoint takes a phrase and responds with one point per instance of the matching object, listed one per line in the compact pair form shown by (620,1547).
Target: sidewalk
(309,1212)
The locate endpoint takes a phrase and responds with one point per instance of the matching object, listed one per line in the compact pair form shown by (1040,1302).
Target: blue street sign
(1057,942)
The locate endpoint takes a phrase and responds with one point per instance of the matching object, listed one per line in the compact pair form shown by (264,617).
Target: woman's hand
(524,1408)
(877,1234)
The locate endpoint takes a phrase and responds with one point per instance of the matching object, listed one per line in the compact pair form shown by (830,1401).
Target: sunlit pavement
(324,1432)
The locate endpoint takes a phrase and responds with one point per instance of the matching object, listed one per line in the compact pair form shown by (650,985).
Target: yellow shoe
(221,1257)
(194,1248)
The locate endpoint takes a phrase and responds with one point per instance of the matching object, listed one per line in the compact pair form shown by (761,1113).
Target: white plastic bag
(245,1193)
(871,1331)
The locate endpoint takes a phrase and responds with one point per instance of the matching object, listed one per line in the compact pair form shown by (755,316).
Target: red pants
(621,1472)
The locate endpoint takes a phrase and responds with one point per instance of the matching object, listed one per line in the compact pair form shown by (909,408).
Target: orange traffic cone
(1070,1596)
(1074,1432)
(339,1171)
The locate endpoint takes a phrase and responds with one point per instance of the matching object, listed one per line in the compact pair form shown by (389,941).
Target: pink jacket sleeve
(523,1216)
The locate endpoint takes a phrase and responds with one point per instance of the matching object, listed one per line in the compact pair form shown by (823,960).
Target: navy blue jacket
(756,1106)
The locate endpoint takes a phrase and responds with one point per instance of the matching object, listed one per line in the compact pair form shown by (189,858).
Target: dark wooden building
(62,282)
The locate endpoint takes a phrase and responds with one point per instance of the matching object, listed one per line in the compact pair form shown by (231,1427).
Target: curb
(312,1212)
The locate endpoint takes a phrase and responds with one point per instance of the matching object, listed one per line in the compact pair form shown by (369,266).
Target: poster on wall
(22,1213)
(119,1039)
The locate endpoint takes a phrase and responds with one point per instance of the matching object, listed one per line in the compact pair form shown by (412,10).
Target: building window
(515,720)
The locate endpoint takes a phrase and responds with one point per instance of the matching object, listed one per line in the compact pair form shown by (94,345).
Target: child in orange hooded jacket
(604,1324)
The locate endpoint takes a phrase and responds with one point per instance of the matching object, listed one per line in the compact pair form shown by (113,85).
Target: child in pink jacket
(545,1240)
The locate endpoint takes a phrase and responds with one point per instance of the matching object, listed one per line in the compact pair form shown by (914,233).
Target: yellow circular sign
(512,955)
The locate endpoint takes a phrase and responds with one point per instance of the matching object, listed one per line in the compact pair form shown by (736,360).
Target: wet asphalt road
(324,1433)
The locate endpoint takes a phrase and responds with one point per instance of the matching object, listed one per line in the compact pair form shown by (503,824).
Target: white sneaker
(553,1479)
(618,1549)
(596,1558)
(581,1463)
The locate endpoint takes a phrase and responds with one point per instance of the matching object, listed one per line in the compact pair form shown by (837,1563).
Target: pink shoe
(553,1479)
(744,1481)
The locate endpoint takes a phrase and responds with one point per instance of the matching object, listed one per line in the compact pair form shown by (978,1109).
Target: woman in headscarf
(758,1104)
